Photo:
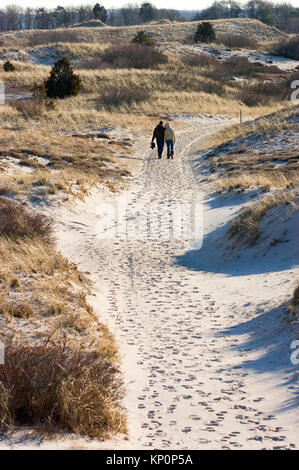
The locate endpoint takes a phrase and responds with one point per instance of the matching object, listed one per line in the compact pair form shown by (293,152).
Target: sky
(177,4)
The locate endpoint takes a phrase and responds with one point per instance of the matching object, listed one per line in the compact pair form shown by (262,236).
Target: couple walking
(164,134)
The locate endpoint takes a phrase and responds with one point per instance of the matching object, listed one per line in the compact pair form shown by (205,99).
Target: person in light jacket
(169,137)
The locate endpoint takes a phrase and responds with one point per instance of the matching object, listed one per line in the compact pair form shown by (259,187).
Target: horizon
(191,5)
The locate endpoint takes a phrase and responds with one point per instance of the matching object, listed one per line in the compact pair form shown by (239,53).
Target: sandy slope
(205,354)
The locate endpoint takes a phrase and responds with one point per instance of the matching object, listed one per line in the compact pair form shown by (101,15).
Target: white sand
(205,355)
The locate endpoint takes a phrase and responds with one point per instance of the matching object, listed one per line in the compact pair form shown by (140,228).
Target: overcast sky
(178,4)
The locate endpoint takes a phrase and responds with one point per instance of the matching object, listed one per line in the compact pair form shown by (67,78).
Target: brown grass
(169,32)
(287,48)
(238,41)
(296,296)
(58,164)
(63,372)
(61,387)
(245,227)
(283,120)
(259,179)
(17,222)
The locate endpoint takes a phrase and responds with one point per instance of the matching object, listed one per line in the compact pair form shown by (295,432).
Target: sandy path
(188,383)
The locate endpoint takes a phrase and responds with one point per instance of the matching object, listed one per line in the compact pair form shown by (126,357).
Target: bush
(89,63)
(59,386)
(16,222)
(288,48)
(30,108)
(213,88)
(296,296)
(46,37)
(263,93)
(133,56)
(240,66)
(199,60)
(126,96)
(8,66)
(204,33)
(237,41)
(62,81)
(142,38)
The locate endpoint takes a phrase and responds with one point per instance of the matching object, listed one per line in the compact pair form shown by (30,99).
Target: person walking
(169,137)
(158,134)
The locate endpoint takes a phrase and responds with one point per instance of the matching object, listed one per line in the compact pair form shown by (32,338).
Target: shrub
(199,60)
(133,55)
(142,38)
(213,88)
(287,48)
(204,33)
(30,108)
(8,66)
(62,81)
(296,296)
(237,41)
(60,386)
(126,96)
(240,66)
(46,37)
(263,93)
(16,222)
(89,63)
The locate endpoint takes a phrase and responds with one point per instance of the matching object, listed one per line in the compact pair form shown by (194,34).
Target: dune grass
(166,32)
(245,228)
(61,364)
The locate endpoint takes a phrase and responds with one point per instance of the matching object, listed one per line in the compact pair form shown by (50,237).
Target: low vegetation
(123,98)
(18,223)
(260,161)
(143,38)
(263,92)
(204,32)
(59,387)
(245,228)
(133,55)
(237,41)
(8,66)
(64,376)
(296,296)
(161,33)
(287,48)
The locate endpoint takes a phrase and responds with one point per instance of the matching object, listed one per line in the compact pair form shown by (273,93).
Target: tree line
(14,17)
(283,15)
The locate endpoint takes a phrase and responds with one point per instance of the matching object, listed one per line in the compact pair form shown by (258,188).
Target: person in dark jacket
(158,134)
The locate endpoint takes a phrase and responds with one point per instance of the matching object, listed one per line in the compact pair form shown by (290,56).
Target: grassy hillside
(166,32)
(259,161)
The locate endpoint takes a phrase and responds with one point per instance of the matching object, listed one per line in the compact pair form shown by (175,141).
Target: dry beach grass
(61,366)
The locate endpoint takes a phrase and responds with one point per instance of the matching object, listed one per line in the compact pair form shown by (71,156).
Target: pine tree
(204,32)
(147,12)
(99,12)
(8,66)
(62,81)
(142,38)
